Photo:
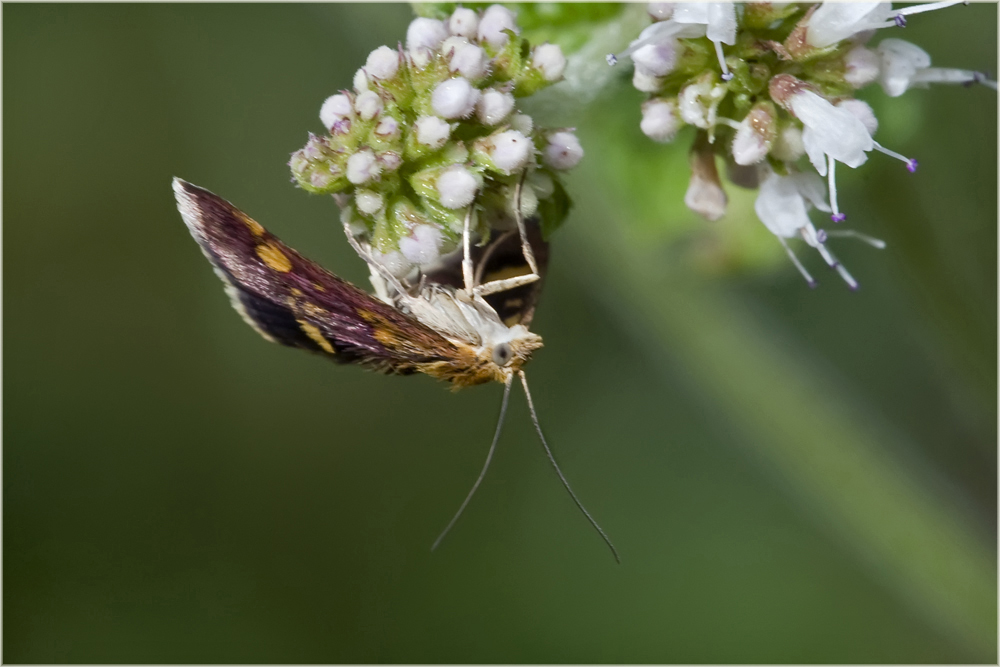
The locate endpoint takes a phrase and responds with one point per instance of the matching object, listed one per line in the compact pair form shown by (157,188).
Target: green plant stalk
(917,540)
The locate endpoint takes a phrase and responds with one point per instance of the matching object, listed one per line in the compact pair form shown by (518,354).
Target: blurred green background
(790,475)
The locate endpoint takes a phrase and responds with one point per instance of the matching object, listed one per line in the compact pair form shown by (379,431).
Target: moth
(464,322)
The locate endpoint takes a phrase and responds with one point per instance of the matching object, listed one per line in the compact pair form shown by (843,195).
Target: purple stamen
(838,217)
(821,235)
(612,59)
(855,287)
(812,284)
(727,76)
(900,20)
(911,165)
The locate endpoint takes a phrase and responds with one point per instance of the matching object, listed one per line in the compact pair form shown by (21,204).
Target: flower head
(433,129)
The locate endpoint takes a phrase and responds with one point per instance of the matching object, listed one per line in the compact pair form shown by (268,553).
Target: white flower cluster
(432,128)
(766,84)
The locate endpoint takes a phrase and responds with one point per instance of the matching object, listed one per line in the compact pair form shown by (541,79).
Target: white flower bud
(495,20)
(456,187)
(646,82)
(335,110)
(494,106)
(464,22)
(368,105)
(368,202)
(660,120)
(660,11)
(362,167)
(421,246)
(356,226)
(382,63)
(454,98)
(360,81)
(657,59)
(862,112)
(550,60)
(391,160)
(469,60)
(788,145)
(563,150)
(861,67)
(705,195)
(425,33)
(393,261)
(755,135)
(432,131)
(522,123)
(387,127)
(511,150)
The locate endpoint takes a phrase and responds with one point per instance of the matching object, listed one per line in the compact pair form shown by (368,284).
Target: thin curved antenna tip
(562,478)
(486,465)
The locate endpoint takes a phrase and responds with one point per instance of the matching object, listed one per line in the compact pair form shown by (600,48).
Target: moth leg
(467,275)
(529,255)
(364,254)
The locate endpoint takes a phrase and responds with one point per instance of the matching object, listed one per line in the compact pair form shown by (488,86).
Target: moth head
(510,352)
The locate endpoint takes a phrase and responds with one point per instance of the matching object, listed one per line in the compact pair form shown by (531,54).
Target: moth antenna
(552,460)
(482,474)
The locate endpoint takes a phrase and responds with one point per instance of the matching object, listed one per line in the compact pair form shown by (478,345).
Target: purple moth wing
(293,301)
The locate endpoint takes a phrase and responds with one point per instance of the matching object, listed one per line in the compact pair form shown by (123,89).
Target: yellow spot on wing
(274,258)
(316,335)
(255,227)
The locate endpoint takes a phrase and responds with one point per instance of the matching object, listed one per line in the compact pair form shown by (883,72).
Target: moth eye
(502,354)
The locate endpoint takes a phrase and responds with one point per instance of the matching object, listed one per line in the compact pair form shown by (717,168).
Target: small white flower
(660,120)
(456,187)
(719,19)
(699,101)
(511,151)
(900,63)
(363,167)
(368,202)
(421,246)
(470,61)
(425,33)
(550,60)
(836,21)
(496,19)
(862,67)
(494,106)
(432,131)
(830,131)
(454,98)
(336,112)
(464,23)
(368,105)
(382,63)
(862,112)
(563,150)
(663,33)
(783,206)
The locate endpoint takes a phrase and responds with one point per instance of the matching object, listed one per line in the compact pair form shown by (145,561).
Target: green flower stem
(843,465)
